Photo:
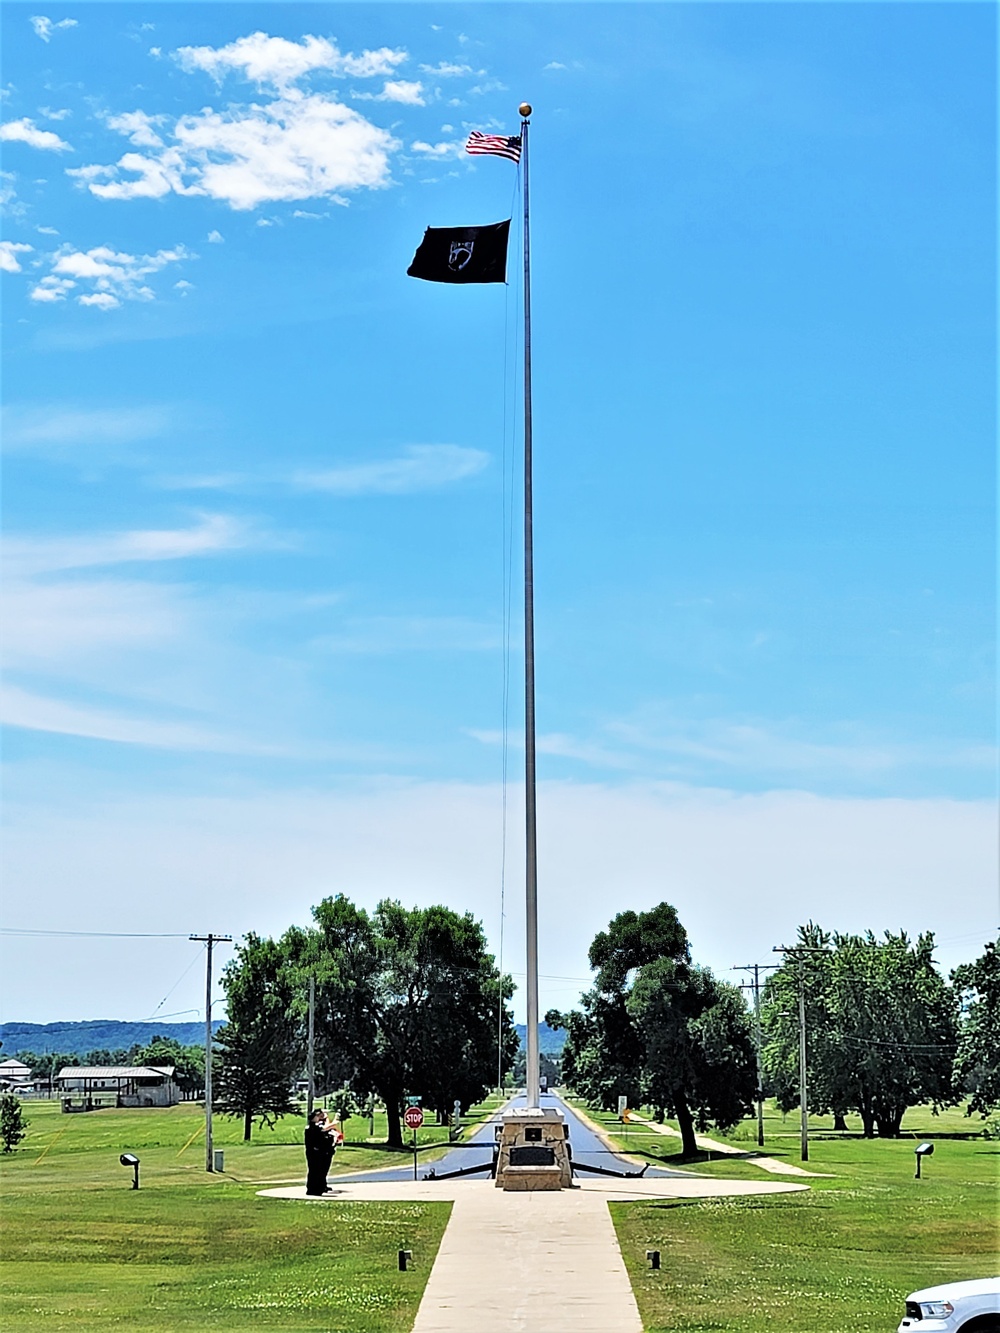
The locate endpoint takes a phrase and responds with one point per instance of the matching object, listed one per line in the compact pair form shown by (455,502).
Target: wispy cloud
(214,534)
(67,432)
(34,712)
(446,69)
(407,634)
(420,467)
(45,27)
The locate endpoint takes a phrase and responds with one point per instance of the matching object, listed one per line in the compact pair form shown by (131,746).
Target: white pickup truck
(954,1307)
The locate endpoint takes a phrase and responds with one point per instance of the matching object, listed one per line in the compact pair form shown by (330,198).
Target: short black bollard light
(405,1257)
(654,1259)
(922,1150)
(127,1159)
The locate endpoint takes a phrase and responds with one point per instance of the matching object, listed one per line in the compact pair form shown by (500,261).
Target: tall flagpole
(531,861)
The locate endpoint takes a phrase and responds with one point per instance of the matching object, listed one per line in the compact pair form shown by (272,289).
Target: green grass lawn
(839,1258)
(84,1251)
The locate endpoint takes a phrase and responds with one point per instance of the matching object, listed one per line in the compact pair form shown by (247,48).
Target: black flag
(462,254)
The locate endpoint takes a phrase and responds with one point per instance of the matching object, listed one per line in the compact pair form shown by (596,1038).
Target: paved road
(588,1149)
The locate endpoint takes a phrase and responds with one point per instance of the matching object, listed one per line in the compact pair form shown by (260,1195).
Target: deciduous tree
(881,1029)
(259,1048)
(977,1062)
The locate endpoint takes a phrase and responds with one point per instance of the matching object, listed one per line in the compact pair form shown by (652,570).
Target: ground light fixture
(129,1159)
(922,1150)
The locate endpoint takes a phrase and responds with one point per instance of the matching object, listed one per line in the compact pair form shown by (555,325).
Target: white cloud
(420,467)
(62,431)
(378,635)
(216,237)
(454,148)
(9,251)
(63,114)
(742,871)
(26,131)
(554,64)
(32,712)
(139,128)
(114,276)
(47,231)
(26,556)
(44,27)
(279,63)
(296,147)
(446,70)
(400,90)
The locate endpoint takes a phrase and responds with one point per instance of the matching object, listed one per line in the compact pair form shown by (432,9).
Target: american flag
(498,145)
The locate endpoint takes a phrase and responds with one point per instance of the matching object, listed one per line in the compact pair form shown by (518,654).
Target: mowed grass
(838,1258)
(84,1251)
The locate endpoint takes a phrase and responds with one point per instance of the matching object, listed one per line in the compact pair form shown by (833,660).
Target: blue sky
(257,479)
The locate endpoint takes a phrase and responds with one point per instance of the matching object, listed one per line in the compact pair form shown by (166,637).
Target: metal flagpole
(531,862)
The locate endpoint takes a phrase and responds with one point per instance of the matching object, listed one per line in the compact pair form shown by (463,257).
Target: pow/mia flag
(462,254)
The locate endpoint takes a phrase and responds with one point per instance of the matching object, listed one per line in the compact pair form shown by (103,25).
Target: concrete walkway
(510,1263)
(528,1261)
(771,1164)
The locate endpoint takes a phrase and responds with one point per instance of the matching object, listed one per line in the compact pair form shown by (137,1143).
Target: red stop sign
(413,1117)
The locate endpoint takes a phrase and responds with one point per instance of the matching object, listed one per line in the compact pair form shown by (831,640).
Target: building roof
(116,1071)
(13,1067)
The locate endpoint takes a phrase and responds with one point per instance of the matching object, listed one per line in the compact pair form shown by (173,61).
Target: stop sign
(413,1117)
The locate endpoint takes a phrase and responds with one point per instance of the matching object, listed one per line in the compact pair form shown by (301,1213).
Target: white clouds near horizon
(742,870)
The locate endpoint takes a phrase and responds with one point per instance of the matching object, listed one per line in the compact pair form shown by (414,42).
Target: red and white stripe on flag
(496,145)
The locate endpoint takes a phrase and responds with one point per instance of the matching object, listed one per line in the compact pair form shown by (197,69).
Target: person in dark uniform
(321,1143)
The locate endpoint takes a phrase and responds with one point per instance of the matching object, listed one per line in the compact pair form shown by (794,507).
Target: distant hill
(549,1042)
(97,1033)
(112,1034)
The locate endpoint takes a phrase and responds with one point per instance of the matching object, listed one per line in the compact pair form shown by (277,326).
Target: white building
(88,1087)
(15,1077)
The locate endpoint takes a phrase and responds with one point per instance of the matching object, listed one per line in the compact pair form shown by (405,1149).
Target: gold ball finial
(524,110)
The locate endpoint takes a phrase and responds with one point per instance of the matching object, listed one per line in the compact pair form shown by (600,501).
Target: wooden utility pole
(756,968)
(797,953)
(208,940)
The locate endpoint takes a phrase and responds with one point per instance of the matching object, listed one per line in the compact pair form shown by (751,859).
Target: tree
(654,1028)
(188,1061)
(880,1027)
(407,1001)
(13,1122)
(977,1061)
(699,1062)
(260,1045)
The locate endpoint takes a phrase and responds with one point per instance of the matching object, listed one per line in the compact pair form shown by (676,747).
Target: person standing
(321,1144)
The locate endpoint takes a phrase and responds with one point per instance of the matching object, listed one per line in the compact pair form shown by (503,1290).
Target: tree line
(406,1001)
(885,1030)
(188,1061)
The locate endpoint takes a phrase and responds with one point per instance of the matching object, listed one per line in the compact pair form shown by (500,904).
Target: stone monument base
(533,1150)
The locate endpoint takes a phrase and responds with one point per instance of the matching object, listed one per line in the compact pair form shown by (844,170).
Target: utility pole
(797,954)
(311,1056)
(755,968)
(208,940)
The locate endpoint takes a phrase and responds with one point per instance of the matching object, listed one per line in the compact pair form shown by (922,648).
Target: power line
(98,934)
